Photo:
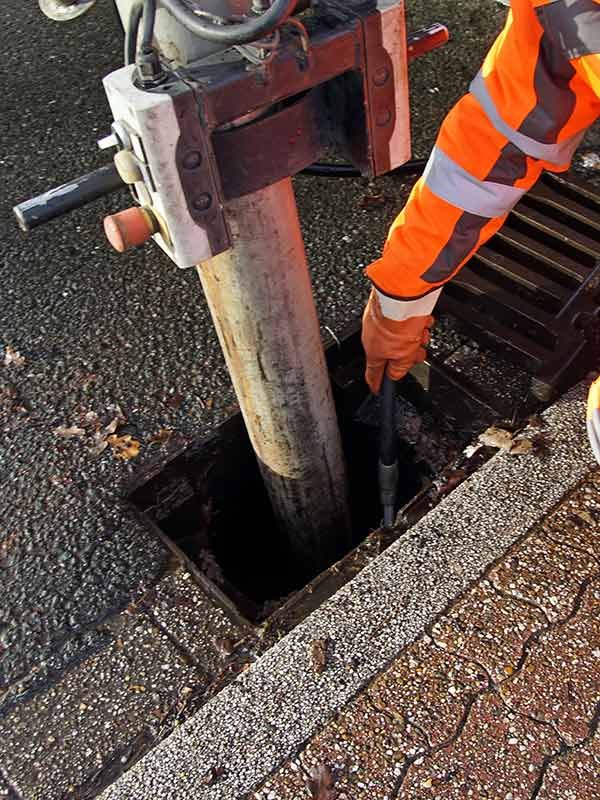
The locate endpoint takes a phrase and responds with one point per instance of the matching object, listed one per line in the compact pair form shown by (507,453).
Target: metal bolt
(381,76)
(383,117)
(203,202)
(192,160)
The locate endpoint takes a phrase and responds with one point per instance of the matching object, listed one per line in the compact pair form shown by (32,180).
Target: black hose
(388,451)
(148,29)
(388,445)
(131,33)
(413,167)
(239,33)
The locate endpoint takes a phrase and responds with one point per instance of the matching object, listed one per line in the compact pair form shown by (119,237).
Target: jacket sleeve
(527,110)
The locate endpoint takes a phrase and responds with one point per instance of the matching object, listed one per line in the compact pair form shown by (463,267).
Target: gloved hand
(397,343)
(593,417)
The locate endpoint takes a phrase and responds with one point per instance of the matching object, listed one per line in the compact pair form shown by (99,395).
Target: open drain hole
(212,508)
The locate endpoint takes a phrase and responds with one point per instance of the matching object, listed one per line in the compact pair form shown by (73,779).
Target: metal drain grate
(534,287)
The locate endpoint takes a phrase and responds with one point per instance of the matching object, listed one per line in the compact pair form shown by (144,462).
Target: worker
(526,111)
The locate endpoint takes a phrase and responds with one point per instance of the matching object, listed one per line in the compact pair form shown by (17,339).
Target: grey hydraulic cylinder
(260,297)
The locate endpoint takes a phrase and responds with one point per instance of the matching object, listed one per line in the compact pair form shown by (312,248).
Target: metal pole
(260,297)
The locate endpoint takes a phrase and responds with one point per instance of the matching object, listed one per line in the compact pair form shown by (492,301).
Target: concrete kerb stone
(265,715)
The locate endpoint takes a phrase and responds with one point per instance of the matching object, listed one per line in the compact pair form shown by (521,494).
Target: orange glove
(397,343)
(593,417)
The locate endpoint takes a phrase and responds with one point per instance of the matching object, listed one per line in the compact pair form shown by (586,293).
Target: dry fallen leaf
(137,688)
(586,517)
(113,425)
(541,444)
(8,395)
(99,443)
(69,433)
(174,400)
(321,783)
(451,480)
(496,437)
(12,357)
(91,418)
(162,437)
(6,545)
(99,439)
(225,646)
(370,201)
(212,776)
(535,421)
(318,655)
(521,446)
(124,447)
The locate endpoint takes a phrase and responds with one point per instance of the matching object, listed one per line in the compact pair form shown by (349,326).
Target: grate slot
(571,188)
(542,255)
(538,288)
(535,355)
(551,220)
(507,307)
(577,211)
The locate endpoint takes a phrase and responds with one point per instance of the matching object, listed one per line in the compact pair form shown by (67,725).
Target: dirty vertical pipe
(260,297)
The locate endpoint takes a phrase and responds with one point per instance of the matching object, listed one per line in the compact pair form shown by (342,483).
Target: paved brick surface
(490,627)
(363,751)
(546,573)
(577,521)
(429,688)
(574,775)
(560,679)
(198,624)
(498,754)
(114,694)
(501,702)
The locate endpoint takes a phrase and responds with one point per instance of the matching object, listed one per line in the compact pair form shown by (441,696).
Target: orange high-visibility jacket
(527,110)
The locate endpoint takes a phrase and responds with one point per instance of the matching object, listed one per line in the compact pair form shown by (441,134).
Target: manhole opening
(211,505)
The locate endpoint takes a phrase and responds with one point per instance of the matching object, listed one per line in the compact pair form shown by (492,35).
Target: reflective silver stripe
(574,25)
(405,309)
(448,180)
(510,167)
(560,153)
(555,99)
(463,239)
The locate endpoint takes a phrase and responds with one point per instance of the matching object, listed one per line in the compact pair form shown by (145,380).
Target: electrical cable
(131,33)
(239,33)
(323,170)
(148,27)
